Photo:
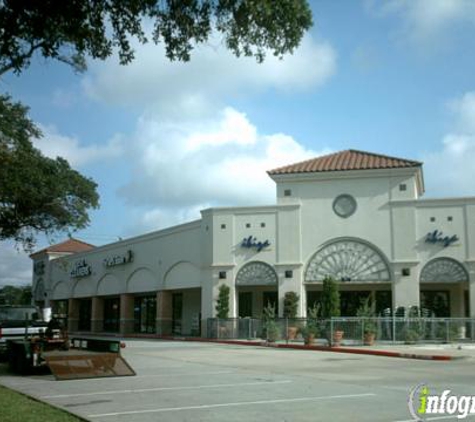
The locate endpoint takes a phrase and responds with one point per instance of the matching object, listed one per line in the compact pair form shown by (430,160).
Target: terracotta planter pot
(310,339)
(291,333)
(369,338)
(223,332)
(337,337)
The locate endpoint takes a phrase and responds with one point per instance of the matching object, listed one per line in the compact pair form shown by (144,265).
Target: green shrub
(291,303)
(222,303)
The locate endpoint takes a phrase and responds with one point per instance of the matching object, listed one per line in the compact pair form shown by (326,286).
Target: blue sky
(164,140)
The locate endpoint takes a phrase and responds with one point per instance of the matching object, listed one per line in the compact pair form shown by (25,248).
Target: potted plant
(367,313)
(291,301)
(411,335)
(331,308)
(311,329)
(222,309)
(272,331)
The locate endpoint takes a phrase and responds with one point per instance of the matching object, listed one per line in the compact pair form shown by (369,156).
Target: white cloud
(15,266)
(211,75)
(426,22)
(190,149)
(53,145)
(184,166)
(450,171)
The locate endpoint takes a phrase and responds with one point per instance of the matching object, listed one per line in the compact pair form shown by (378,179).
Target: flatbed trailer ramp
(85,358)
(80,364)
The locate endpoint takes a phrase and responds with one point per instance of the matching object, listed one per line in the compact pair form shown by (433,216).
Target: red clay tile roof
(69,246)
(346,160)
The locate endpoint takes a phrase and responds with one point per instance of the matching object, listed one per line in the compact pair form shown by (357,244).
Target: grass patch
(15,407)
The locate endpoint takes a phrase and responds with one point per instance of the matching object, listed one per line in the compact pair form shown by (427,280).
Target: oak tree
(72,30)
(37,194)
(43,195)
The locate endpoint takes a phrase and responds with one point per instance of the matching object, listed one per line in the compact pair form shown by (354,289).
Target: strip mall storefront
(356,216)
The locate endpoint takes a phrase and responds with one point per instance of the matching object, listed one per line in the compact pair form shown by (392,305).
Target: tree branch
(13,64)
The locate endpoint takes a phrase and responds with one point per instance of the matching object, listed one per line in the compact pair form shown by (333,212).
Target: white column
(405,289)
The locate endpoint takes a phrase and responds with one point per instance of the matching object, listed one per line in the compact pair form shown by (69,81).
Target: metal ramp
(88,359)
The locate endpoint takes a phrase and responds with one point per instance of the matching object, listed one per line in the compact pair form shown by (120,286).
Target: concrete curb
(349,350)
(357,351)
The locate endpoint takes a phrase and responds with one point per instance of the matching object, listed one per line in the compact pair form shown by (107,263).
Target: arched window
(348,260)
(256,274)
(443,270)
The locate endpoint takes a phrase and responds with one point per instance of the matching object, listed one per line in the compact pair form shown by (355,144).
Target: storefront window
(384,302)
(177,312)
(437,302)
(85,312)
(350,301)
(60,312)
(111,314)
(245,304)
(145,311)
(270,298)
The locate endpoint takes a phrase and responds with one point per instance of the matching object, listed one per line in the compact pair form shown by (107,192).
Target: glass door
(112,314)
(177,311)
(85,312)
(245,304)
(145,311)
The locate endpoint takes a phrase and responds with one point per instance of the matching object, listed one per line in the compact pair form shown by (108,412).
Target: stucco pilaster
(471,288)
(73,315)
(126,313)
(97,314)
(164,312)
(405,288)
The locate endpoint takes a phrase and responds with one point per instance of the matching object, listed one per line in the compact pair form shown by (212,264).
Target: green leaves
(330,298)
(70,31)
(222,303)
(37,194)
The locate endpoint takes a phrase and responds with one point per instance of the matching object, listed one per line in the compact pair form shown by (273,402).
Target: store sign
(122,259)
(251,243)
(81,269)
(437,237)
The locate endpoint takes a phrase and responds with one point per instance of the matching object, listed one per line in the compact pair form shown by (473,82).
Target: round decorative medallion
(344,205)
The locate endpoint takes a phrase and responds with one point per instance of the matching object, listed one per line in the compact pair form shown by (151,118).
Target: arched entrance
(256,286)
(361,268)
(444,287)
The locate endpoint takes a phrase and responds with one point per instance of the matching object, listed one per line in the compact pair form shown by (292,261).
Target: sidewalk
(439,352)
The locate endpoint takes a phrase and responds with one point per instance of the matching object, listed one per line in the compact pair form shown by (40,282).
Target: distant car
(17,322)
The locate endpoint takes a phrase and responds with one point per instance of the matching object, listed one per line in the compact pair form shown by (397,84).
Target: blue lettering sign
(251,242)
(438,237)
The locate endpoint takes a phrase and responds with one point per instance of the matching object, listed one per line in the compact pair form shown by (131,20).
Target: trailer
(75,358)
(16,322)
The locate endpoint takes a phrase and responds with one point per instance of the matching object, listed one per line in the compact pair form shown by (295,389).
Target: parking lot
(191,381)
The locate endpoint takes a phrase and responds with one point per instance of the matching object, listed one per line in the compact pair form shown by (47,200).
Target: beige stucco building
(353,215)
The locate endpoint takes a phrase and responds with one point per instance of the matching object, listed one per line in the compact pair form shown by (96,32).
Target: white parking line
(145,390)
(34,381)
(235,404)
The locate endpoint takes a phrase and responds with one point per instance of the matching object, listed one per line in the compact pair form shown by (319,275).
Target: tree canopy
(43,195)
(37,194)
(15,295)
(72,30)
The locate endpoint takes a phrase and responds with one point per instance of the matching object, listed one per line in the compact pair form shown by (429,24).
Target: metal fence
(355,331)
